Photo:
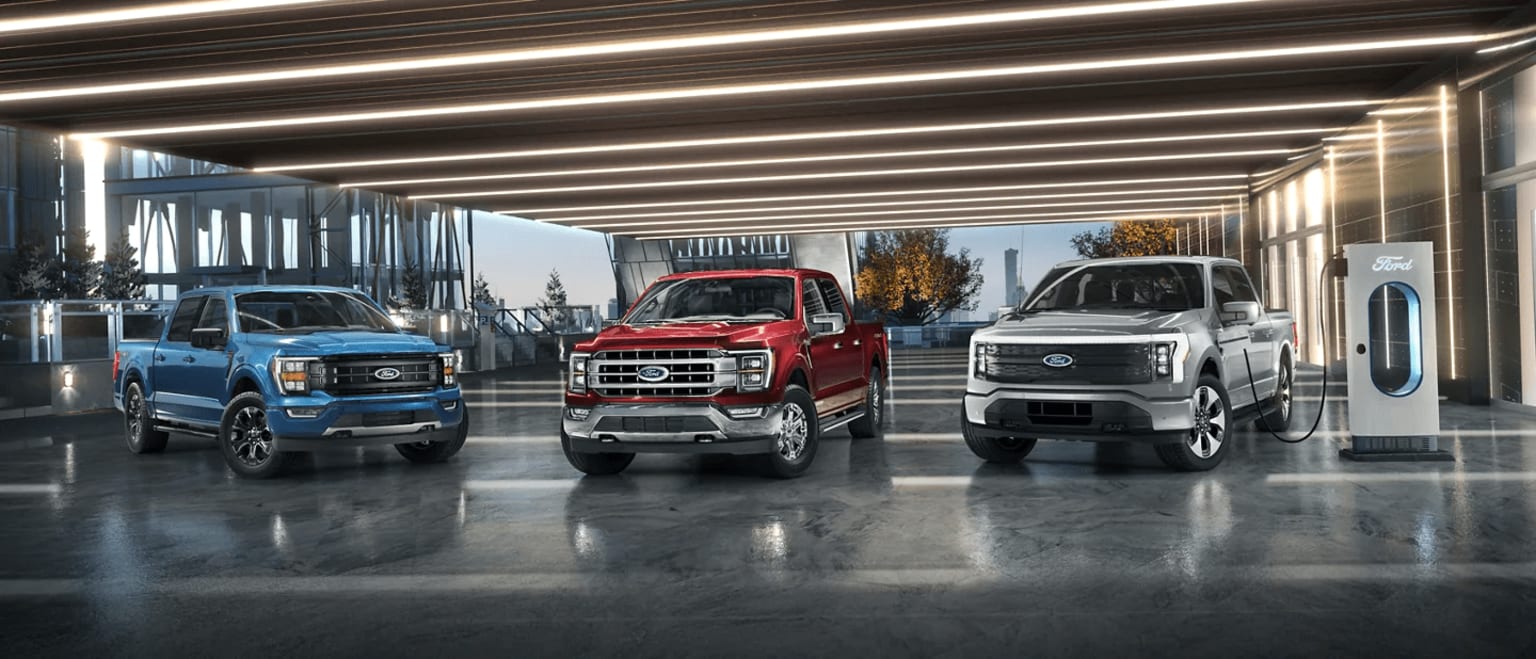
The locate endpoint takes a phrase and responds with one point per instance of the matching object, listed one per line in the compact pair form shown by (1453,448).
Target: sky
(517,255)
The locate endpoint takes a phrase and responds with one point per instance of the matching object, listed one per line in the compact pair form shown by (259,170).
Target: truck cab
(270,371)
(744,362)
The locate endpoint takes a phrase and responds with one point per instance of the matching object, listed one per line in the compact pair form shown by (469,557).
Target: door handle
(837,346)
(189,359)
(159,358)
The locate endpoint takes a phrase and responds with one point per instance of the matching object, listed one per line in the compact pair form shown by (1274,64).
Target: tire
(799,435)
(594,464)
(1207,442)
(245,439)
(870,424)
(997,450)
(1277,414)
(433,452)
(139,424)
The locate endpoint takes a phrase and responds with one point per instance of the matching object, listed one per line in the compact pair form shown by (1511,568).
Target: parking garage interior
(365,144)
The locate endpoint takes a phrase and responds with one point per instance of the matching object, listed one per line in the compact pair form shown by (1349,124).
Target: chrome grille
(1109,363)
(355,375)
(691,372)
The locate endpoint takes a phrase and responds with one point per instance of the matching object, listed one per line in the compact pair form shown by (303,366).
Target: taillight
(117,361)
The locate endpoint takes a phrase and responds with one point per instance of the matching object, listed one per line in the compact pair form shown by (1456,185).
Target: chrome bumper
(1167,414)
(642,428)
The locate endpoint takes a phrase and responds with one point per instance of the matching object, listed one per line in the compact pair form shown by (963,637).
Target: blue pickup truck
(269,371)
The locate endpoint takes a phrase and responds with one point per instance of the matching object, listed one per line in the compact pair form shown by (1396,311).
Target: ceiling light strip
(925,221)
(143,13)
(909,211)
(839,157)
(851,174)
(1231,189)
(882,193)
(610,48)
(937,224)
(791,86)
(819,135)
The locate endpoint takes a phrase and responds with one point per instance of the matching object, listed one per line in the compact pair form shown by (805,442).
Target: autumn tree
(1129,238)
(911,278)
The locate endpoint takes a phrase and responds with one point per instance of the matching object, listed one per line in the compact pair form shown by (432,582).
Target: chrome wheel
(876,403)
(250,437)
(1210,423)
(793,432)
(1283,394)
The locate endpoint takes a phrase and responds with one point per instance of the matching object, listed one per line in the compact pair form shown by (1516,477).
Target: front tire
(1206,445)
(997,450)
(245,438)
(1278,417)
(594,464)
(139,424)
(870,424)
(432,452)
(799,434)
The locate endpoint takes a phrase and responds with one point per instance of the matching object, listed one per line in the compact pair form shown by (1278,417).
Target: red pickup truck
(745,362)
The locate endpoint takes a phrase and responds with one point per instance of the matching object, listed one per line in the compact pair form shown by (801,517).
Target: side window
(1241,286)
(813,302)
(215,315)
(832,297)
(1221,284)
(185,319)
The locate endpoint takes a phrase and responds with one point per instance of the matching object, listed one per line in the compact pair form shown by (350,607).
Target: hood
(682,335)
(322,344)
(1103,322)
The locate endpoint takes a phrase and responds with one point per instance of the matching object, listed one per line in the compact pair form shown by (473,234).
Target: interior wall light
(852,174)
(69,379)
(726,39)
(882,193)
(840,157)
(142,13)
(751,89)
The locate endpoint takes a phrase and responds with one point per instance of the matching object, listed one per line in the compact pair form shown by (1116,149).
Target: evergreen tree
(76,273)
(483,291)
(412,287)
(553,301)
(122,278)
(30,278)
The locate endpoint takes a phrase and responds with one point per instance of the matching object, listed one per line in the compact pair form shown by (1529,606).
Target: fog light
(305,412)
(450,404)
(753,412)
(578,413)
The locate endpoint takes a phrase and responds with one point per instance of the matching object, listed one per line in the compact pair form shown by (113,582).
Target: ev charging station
(1394,391)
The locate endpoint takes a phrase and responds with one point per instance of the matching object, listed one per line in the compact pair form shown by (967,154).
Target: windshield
(294,312)
(740,299)
(1160,286)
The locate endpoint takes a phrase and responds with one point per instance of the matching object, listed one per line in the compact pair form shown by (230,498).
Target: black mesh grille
(359,375)
(1128,363)
(655,424)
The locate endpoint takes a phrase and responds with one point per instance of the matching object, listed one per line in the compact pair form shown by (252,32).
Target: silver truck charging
(1394,393)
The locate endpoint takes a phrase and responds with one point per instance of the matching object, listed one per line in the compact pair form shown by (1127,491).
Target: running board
(184,430)
(842,419)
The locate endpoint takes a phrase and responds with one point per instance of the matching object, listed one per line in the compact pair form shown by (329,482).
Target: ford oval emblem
(653,373)
(1058,360)
(387,373)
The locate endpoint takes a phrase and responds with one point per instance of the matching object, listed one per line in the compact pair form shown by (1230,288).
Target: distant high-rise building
(1011,287)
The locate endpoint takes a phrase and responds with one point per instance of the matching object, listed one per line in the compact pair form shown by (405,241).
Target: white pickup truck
(1149,349)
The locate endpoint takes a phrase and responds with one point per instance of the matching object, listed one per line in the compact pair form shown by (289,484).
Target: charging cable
(1322,328)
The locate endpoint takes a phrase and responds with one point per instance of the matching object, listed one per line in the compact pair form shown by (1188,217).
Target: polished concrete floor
(906,546)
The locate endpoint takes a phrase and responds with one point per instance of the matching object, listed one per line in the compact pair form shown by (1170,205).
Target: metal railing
(35,332)
(938,335)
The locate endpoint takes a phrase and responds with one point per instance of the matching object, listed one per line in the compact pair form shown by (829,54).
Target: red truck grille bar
(691,372)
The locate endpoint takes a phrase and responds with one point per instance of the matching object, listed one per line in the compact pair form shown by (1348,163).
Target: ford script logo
(386,373)
(1057,360)
(653,373)
(1392,264)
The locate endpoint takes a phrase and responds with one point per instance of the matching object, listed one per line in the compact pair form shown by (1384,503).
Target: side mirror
(823,324)
(209,338)
(1241,313)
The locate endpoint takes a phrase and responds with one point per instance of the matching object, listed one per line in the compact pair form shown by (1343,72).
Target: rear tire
(870,424)
(997,450)
(1277,416)
(245,439)
(139,424)
(799,434)
(431,452)
(594,464)
(1207,442)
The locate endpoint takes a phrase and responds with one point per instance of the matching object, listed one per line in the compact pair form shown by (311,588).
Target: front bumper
(366,420)
(670,428)
(1103,415)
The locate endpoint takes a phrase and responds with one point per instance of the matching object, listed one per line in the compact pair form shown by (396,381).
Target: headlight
(753,370)
(292,375)
(983,351)
(449,362)
(1162,358)
(578,382)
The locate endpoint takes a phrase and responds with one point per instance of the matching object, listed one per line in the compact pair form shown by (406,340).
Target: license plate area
(376,419)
